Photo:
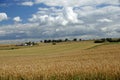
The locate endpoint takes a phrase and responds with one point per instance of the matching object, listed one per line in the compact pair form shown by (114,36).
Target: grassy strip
(101,44)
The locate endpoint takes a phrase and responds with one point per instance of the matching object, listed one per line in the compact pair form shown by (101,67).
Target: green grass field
(83,60)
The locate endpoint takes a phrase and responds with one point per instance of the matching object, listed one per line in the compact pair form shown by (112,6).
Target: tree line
(59,40)
(107,40)
(54,41)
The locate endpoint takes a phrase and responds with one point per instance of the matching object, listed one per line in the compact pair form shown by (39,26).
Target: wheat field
(64,61)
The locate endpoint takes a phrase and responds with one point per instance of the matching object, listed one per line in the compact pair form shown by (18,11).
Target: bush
(53,43)
(99,41)
(113,40)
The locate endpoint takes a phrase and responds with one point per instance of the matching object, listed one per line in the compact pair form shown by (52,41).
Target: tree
(49,41)
(41,41)
(45,41)
(75,39)
(80,39)
(66,40)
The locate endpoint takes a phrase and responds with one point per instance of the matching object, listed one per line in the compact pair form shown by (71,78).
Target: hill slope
(64,61)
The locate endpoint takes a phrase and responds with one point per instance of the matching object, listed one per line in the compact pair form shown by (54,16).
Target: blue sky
(13,8)
(48,19)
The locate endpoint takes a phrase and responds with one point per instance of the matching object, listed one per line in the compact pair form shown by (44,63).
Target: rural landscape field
(83,60)
(59,39)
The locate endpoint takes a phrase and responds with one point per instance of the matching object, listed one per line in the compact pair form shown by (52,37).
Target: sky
(49,19)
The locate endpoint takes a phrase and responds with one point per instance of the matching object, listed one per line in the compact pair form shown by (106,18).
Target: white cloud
(112,30)
(70,15)
(29,3)
(91,10)
(76,2)
(37,30)
(17,19)
(84,22)
(53,16)
(104,20)
(2,33)
(78,18)
(3,16)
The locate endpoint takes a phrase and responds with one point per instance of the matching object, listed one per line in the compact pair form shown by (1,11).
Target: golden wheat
(62,62)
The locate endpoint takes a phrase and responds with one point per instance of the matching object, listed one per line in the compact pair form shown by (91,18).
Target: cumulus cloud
(63,16)
(79,18)
(17,19)
(29,3)
(70,15)
(83,22)
(3,16)
(35,30)
(15,30)
(76,2)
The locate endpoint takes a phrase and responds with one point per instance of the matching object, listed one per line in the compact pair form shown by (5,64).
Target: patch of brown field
(100,63)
